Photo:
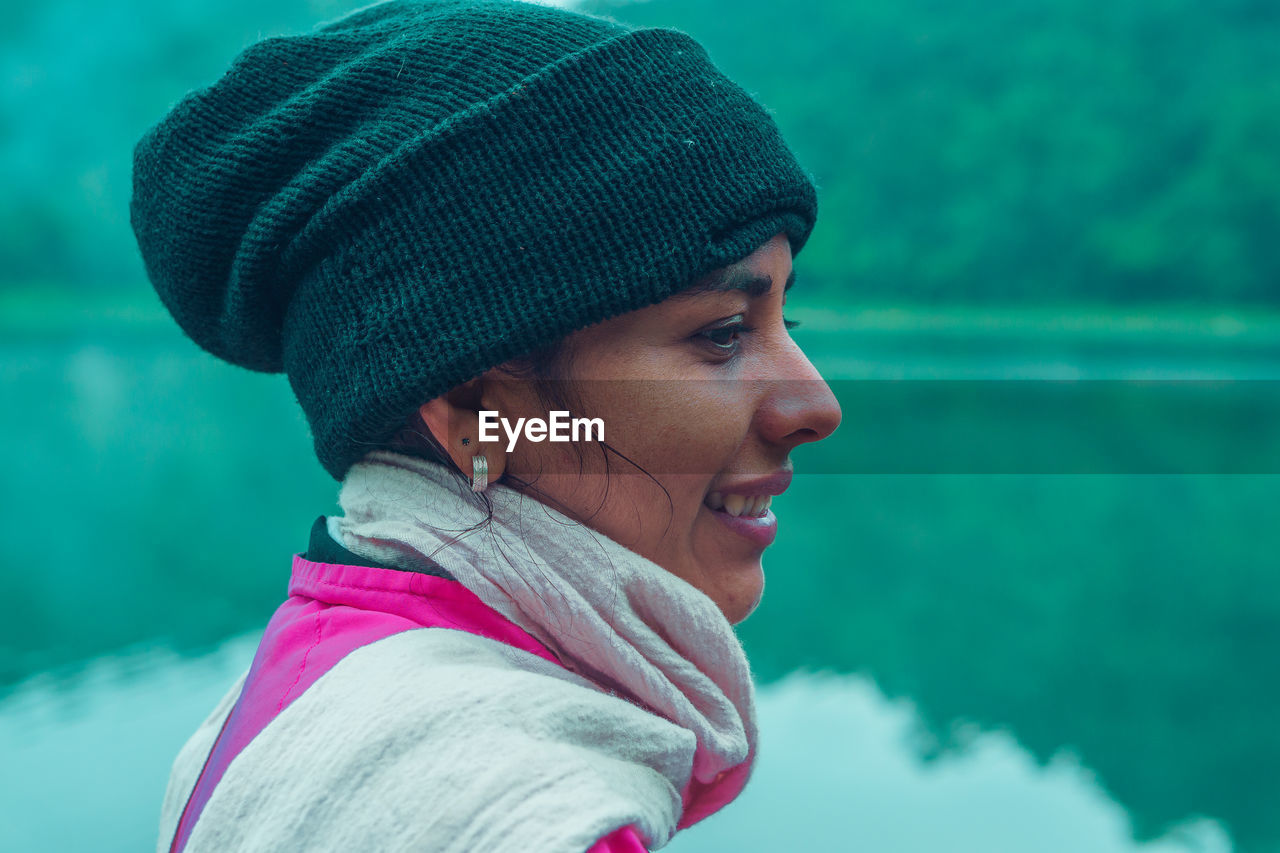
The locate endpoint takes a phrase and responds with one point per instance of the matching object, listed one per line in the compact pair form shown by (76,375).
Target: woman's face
(706,392)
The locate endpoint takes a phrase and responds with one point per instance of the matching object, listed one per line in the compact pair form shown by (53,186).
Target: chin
(741,600)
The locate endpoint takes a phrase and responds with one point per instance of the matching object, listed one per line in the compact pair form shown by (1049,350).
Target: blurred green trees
(992,150)
(1098,150)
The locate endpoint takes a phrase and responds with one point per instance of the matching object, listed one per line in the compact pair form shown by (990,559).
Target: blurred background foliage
(964,151)
(1084,185)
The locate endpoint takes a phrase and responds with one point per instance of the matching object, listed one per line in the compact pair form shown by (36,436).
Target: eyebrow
(752,283)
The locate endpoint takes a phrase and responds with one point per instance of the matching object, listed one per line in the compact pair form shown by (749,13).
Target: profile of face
(702,396)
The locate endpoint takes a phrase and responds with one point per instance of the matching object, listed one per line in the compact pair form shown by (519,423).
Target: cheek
(681,429)
(684,433)
(680,432)
(684,441)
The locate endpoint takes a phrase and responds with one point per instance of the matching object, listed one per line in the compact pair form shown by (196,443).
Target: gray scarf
(618,619)
(443,741)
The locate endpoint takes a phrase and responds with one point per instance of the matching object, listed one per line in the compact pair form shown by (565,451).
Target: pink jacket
(334,608)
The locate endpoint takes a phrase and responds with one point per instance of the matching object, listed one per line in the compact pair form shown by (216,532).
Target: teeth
(753,506)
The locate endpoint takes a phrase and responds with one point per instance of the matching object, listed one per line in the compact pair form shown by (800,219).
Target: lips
(758,491)
(743,506)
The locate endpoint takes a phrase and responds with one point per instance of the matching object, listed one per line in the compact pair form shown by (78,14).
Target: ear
(454,421)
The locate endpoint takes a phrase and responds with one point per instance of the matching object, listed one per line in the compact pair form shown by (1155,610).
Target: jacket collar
(322,548)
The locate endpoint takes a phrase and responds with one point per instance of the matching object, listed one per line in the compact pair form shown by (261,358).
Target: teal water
(1014,661)
(840,770)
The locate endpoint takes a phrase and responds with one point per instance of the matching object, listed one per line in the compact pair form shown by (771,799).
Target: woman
(431,216)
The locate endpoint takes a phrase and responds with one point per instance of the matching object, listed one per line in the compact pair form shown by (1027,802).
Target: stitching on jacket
(302,667)
(426,600)
(454,624)
(370,587)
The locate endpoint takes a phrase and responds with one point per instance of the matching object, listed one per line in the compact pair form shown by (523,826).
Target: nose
(797,405)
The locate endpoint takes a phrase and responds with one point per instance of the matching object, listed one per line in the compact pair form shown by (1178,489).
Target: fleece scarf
(650,720)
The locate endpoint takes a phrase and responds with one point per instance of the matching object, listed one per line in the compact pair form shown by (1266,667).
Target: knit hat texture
(402,199)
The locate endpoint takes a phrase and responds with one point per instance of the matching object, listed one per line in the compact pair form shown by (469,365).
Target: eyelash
(736,329)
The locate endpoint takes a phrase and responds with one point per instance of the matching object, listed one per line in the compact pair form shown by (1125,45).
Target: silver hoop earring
(479,473)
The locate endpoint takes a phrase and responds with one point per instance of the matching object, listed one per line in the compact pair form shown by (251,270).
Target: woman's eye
(726,337)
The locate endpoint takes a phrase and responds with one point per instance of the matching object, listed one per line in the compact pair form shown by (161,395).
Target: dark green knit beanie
(391,205)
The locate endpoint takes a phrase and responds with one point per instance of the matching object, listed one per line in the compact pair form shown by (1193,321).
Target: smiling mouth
(739,506)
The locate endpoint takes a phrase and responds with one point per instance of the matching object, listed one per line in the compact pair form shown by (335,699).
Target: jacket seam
(302,667)
(375,587)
